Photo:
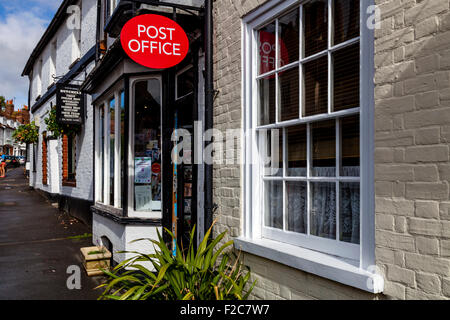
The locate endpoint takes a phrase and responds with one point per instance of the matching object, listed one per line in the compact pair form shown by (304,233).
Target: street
(37,245)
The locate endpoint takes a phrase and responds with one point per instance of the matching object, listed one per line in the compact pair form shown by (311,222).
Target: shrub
(191,275)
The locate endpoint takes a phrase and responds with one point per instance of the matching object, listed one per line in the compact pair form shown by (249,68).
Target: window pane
(273,204)
(266,103)
(112,133)
(346,20)
(346,78)
(350,146)
(267,48)
(316,87)
(324,149)
(288,27)
(102,153)
(273,159)
(122,146)
(289,94)
(323,210)
(296,148)
(315,15)
(185,83)
(296,206)
(147,145)
(349,212)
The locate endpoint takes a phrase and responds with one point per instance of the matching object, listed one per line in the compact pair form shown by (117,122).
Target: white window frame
(105,103)
(356,271)
(131,211)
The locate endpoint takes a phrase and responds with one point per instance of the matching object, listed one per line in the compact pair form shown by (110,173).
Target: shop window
(147,146)
(184,81)
(308,110)
(110,150)
(69,160)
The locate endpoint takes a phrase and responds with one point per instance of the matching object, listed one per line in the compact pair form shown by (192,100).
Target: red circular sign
(154,41)
(156,168)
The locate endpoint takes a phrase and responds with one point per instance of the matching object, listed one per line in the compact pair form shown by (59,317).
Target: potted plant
(96,259)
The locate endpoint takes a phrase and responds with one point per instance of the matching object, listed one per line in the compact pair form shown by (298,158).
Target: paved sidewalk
(36,247)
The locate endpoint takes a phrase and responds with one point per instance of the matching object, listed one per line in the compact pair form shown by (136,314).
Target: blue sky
(22,23)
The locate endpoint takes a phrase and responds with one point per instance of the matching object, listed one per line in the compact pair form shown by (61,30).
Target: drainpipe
(97,40)
(209,103)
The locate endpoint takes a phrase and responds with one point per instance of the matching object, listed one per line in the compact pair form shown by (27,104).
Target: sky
(22,23)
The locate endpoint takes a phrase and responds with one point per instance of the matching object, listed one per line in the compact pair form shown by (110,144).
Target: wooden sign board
(69,105)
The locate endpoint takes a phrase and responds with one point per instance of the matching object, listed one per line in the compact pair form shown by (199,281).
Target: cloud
(20,30)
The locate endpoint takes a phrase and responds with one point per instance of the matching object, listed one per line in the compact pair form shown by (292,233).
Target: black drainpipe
(209,103)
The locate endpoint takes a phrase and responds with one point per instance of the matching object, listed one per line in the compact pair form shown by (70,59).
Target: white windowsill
(324,265)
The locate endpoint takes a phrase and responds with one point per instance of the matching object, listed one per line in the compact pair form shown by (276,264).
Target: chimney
(9,109)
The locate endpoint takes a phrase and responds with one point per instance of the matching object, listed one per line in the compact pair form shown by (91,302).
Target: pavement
(38,244)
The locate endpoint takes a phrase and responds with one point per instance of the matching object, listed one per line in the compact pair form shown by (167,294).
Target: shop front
(146,178)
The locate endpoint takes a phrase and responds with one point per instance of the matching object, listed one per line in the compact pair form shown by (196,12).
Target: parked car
(21,160)
(12,162)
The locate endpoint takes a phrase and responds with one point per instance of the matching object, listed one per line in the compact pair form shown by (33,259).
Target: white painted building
(64,55)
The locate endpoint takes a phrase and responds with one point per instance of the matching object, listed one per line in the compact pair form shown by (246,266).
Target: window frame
(364,253)
(102,170)
(130,152)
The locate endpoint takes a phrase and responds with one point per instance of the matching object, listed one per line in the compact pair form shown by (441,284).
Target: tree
(2,103)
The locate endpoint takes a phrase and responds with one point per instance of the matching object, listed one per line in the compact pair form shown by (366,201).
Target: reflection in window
(185,83)
(296,148)
(274,204)
(346,20)
(267,48)
(267,100)
(147,146)
(346,78)
(102,153)
(324,149)
(350,146)
(289,94)
(122,145)
(316,26)
(288,28)
(112,135)
(316,87)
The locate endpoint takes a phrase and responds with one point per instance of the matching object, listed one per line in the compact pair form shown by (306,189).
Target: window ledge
(324,265)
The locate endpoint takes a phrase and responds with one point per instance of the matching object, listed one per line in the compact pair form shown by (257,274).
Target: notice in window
(143,170)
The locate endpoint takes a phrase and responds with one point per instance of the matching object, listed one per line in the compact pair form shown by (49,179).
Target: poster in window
(187,206)
(188,173)
(143,170)
(188,189)
(143,198)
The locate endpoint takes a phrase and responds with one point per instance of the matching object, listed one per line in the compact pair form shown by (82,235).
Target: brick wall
(274,280)
(412,131)
(412,121)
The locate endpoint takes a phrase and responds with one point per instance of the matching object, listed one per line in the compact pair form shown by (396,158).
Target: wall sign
(154,41)
(69,105)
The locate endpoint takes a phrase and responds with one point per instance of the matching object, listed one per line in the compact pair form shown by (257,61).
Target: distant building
(10,120)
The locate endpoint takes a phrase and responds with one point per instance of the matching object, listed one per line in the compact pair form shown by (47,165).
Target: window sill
(324,265)
(72,184)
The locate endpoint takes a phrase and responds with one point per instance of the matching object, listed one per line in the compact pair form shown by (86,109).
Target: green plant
(26,133)
(191,275)
(57,129)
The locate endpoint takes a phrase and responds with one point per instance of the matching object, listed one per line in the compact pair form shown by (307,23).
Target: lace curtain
(323,205)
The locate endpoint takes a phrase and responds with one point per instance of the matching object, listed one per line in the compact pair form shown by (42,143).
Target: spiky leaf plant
(208,273)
